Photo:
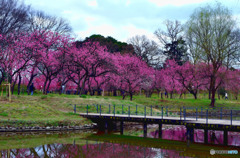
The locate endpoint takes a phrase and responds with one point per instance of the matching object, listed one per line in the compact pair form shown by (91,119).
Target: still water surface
(87,144)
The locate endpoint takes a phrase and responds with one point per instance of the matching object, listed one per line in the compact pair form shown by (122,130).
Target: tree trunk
(114,92)
(14,83)
(19,83)
(103,93)
(209,94)
(2,78)
(44,87)
(213,91)
(171,95)
(99,92)
(213,98)
(49,83)
(180,96)
(195,95)
(83,84)
(131,96)
(30,82)
(123,96)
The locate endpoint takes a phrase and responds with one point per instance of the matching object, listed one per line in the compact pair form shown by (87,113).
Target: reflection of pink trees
(179,133)
(97,150)
(106,150)
(100,149)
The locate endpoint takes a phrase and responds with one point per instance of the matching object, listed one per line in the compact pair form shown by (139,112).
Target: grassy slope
(57,108)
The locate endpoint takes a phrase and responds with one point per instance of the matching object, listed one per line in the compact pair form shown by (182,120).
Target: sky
(123,19)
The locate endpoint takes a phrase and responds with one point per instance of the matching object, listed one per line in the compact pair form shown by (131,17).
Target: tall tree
(147,49)
(89,61)
(13,16)
(213,29)
(39,20)
(173,43)
(112,44)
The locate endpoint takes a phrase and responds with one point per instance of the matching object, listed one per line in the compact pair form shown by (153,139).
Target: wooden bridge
(207,119)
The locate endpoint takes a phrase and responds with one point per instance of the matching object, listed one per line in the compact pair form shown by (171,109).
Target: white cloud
(122,19)
(104,29)
(92,3)
(175,2)
(128,2)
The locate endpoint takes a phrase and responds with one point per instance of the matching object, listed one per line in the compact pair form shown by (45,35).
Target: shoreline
(48,128)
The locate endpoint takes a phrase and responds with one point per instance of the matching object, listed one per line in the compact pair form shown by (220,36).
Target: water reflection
(94,150)
(68,145)
(179,133)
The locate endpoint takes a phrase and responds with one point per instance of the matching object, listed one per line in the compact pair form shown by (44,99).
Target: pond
(87,143)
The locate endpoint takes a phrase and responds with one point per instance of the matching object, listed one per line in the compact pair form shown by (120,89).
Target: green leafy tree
(112,44)
(213,31)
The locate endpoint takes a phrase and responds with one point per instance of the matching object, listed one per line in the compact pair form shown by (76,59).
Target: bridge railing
(183,113)
(152,110)
(218,113)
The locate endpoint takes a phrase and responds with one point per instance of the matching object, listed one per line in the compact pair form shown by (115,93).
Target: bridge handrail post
(100,110)
(184,113)
(97,108)
(231,116)
(128,110)
(207,116)
(196,114)
(136,110)
(162,112)
(114,109)
(145,111)
(87,109)
(167,111)
(109,107)
(74,108)
(151,110)
(180,113)
(201,112)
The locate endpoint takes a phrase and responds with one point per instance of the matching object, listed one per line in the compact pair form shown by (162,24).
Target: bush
(44,97)
(3,114)
(83,96)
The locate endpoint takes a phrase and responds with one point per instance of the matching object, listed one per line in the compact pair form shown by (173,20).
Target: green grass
(56,108)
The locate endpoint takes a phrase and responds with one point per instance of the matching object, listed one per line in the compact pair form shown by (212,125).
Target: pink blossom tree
(88,61)
(190,77)
(131,72)
(171,84)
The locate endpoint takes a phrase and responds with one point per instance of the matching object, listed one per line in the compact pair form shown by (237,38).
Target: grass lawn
(55,109)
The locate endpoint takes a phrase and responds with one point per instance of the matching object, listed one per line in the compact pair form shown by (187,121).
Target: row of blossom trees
(50,60)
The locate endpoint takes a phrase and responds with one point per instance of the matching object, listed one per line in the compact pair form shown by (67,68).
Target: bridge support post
(225,137)
(121,127)
(190,134)
(106,127)
(160,130)
(145,130)
(205,136)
